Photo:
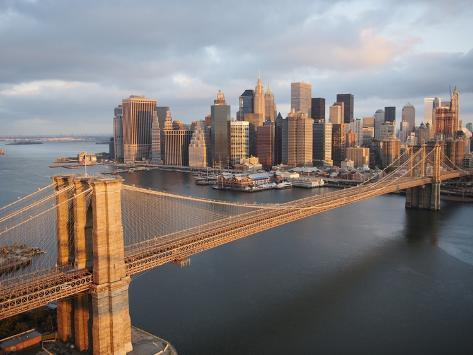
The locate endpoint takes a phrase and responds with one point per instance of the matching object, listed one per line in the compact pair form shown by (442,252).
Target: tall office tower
(446,117)
(348,106)
(469,126)
(118,133)
(301,97)
(387,130)
(278,139)
(404,131)
(367,136)
(259,104)
(322,143)
(409,116)
(318,108)
(390,114)
(265,144)
(239,141)
(246,104)
(297,139)
(336,113)
(155,140)
(137,121)
(269,106)
(430,104)
(350,139)
(356,127)
(176,146)
(198,147)
(423,133)
(338,143)
(368,121)
(162,114)
(378,121)
(359,155)
(220,113)
(390,149)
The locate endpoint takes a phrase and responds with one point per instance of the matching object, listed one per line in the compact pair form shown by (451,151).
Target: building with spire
(446,117)
(269,106)
(258,100)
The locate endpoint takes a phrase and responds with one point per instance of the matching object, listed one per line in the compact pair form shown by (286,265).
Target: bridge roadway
(39,290)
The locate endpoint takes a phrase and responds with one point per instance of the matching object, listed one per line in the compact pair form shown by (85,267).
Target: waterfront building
(297,139)
(118,134)
(318,108)
(390,114)
(176,146)
(239,141)
(390,150)
(198,147)
(269,106)
(138,112)
(155,140)
(409,116)
(265,144)
(336,113)
(220,117)
(278,139)
(359,155)
(246,103)
(348,106)
(378,121)
(347,164)
(322,143)
(301,97)
(338,143)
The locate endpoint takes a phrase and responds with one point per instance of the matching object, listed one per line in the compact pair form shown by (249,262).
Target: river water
(370,278)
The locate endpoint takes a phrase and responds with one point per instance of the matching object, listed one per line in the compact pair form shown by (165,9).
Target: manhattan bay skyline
(67,65)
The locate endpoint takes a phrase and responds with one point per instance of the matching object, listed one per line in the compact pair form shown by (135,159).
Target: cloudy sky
(64,65)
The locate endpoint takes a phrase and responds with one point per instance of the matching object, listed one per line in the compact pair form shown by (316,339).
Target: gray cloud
(65,65)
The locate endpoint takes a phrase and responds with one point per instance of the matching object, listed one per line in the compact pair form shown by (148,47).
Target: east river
(369,278)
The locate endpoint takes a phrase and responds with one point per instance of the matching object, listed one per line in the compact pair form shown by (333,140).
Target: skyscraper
(338,143)
(246,104)
(269,106)
(318,108)
(336,113)
(390,113)
(278,139)
(297,139)
(162,114)
(118,133)
(322,143)
(155,140)
(265,144)
(176,146)
(446,117)
(409,116)
(198,147)
(220,117)
(258,101)
(348,106)
(239,141)
(378,121)
(137,120)
(301,97)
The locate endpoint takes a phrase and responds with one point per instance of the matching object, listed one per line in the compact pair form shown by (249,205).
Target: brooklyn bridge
(97,233)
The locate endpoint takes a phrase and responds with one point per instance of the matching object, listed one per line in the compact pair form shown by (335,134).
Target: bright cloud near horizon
(64,65)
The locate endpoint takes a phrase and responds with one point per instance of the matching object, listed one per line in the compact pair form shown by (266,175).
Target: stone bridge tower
(90,236)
